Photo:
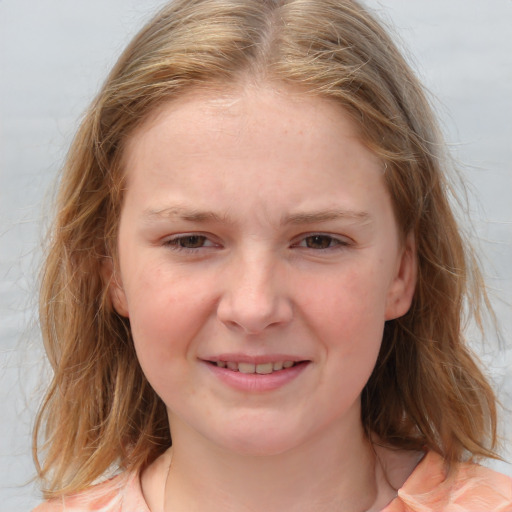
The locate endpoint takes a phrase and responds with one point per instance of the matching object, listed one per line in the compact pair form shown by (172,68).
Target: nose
(254,295)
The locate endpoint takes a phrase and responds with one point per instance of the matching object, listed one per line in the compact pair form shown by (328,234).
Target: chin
(262,442)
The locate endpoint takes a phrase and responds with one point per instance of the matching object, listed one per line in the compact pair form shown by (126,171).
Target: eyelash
(175,243)
(331,242)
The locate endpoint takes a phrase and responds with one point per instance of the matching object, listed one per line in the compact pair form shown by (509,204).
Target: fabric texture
(469,488)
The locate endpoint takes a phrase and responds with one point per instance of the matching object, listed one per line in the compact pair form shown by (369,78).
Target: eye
(189,242)
(321,241)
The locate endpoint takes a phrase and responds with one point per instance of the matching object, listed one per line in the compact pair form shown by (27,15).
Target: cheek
(166,312)
(349,306)
(347,317)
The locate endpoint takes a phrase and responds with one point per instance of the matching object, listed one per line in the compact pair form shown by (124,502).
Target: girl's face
(259,259)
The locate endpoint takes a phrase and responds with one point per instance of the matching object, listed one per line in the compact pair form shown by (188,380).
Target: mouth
(256,374)
(260,368)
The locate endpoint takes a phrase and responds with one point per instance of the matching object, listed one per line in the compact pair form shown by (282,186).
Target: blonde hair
(426,390)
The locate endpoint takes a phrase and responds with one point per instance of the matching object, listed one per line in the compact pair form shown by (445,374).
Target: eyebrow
(194,215)
(327,215)
(188,214)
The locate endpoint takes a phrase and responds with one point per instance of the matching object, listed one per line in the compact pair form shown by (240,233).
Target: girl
(254,289)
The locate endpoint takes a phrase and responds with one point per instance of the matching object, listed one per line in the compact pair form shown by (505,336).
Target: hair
(426,391)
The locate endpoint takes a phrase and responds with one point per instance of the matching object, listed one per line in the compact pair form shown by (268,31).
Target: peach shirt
(471,488)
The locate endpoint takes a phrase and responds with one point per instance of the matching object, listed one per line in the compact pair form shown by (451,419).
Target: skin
(257,224)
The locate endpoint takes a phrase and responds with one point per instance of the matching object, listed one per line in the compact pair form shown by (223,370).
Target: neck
(330,472)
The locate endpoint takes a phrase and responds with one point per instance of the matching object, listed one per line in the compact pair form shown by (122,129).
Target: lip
(254,382)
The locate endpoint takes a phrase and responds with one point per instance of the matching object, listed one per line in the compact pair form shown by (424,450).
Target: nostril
(253,309)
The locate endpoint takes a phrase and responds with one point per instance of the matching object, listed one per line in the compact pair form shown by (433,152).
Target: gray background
(55,53)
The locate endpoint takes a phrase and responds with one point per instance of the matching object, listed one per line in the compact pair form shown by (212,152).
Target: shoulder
(121,493)
(468,487)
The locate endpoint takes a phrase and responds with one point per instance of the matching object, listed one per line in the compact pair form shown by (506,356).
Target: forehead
(244,145)
(232,111)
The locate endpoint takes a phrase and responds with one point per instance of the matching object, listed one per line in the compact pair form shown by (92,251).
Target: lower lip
(254,382)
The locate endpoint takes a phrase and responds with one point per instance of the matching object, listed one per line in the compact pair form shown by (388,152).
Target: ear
(115,287)
(402,288)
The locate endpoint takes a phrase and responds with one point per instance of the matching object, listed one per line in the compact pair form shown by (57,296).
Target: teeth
(246,367)
(261,369)
(264,368)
